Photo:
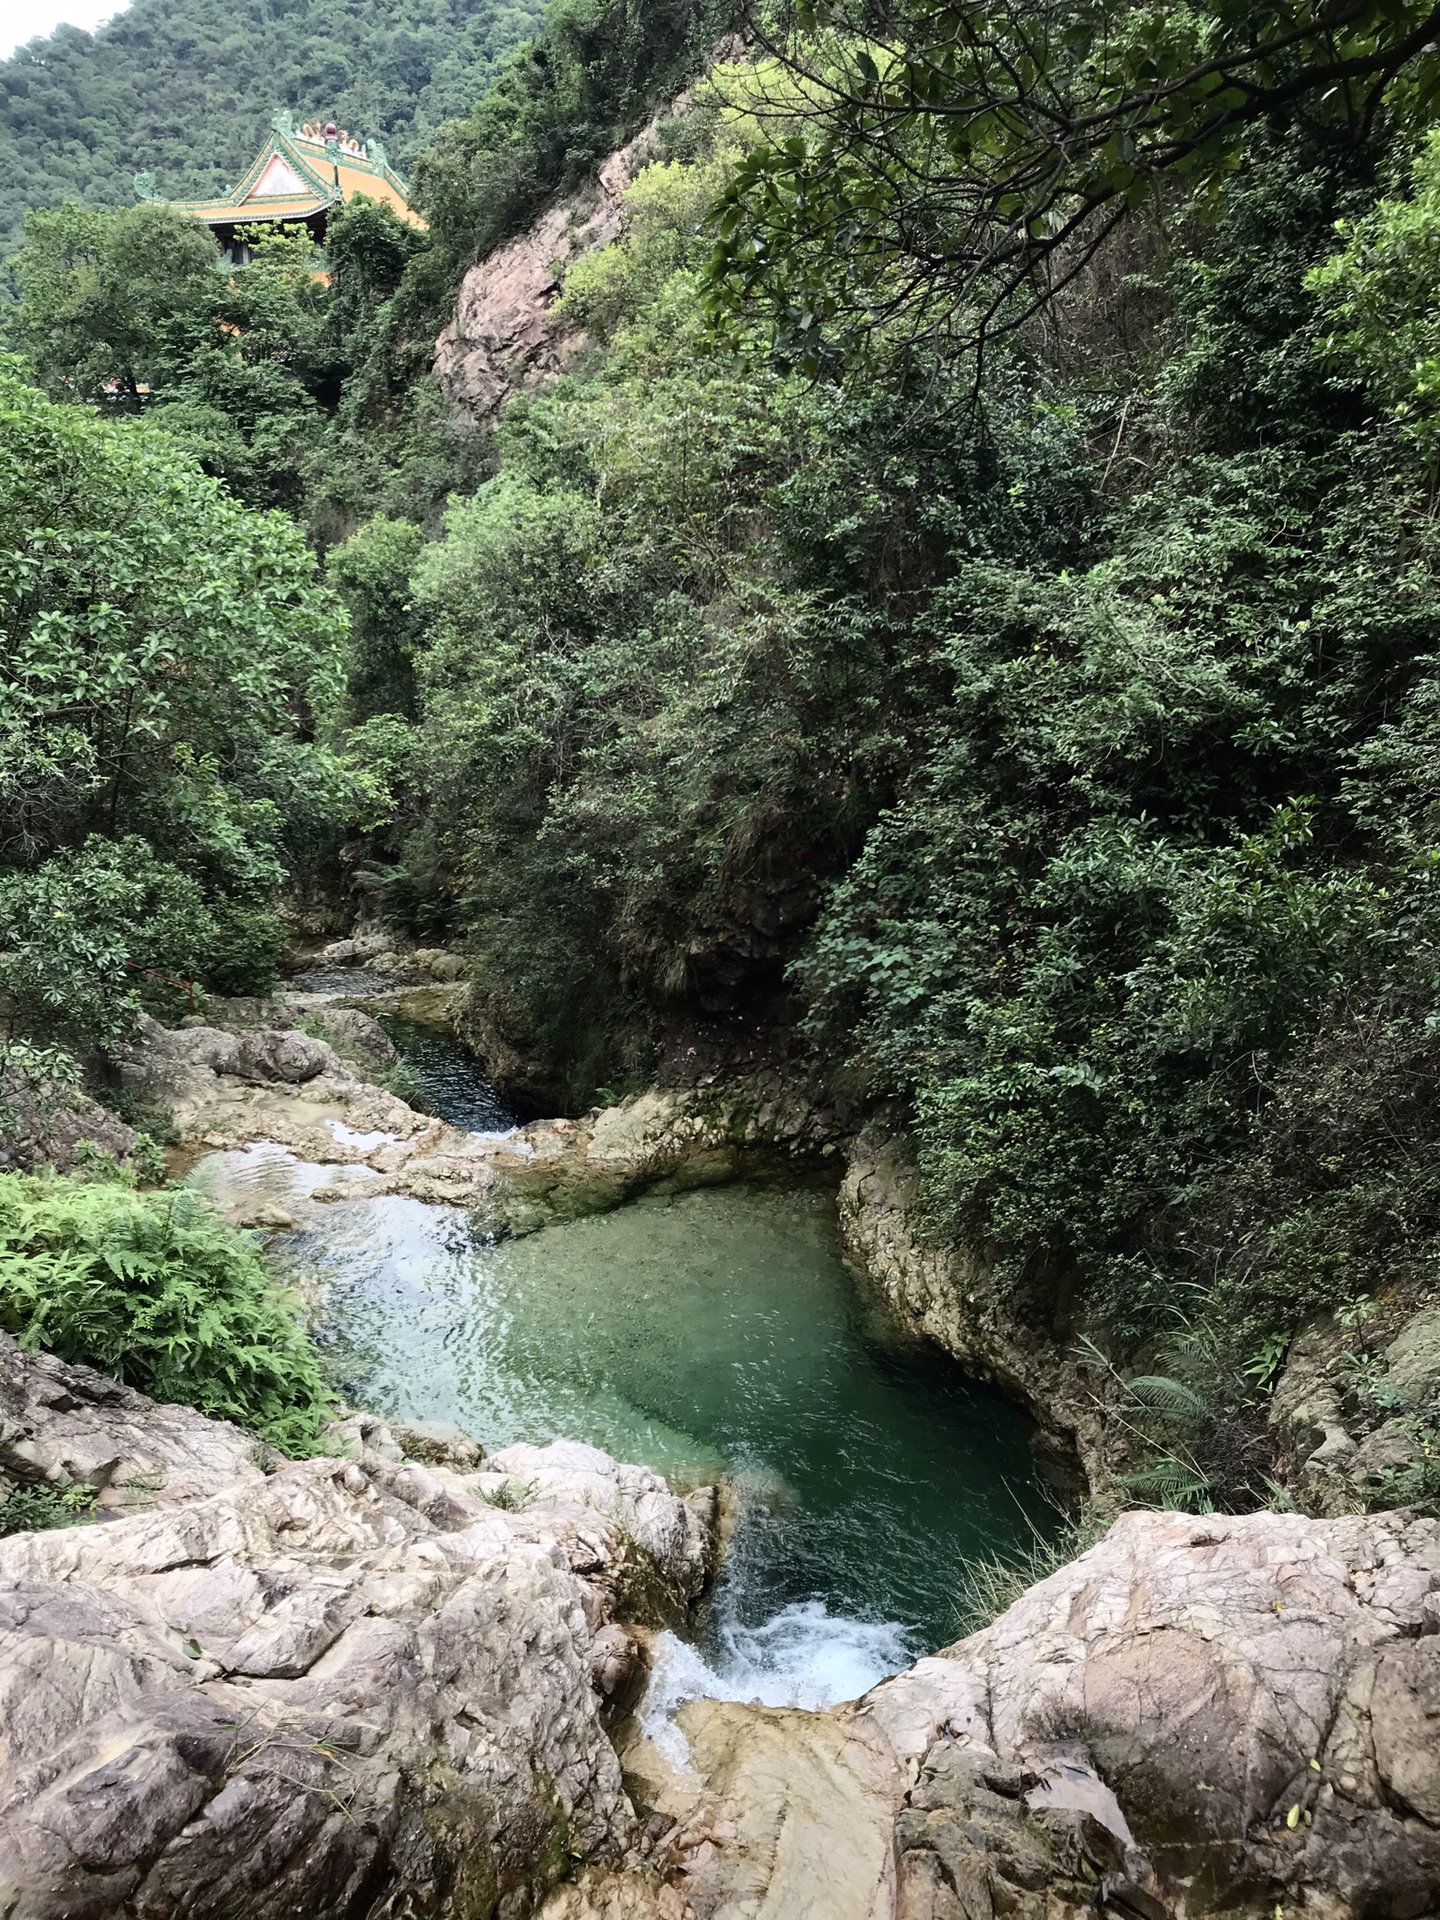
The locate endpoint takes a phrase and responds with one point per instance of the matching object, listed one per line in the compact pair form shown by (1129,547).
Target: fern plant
(156,1290)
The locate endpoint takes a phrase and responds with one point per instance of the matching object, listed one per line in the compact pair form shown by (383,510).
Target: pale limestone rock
(948,1293)
(1193,1670)
(353,1686)
(63,1425)
(781,1815)
(356,1036)
(510,1183)
(1342,1421)
(672,1538)
(55,1131)
(1412,1360)
(355,951)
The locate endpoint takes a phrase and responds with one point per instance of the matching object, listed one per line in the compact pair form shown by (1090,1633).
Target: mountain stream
(706,1333)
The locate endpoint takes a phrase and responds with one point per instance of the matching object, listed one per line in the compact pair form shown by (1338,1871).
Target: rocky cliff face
(351,1686)
(1354,1420)
(506,335)
(947,1293)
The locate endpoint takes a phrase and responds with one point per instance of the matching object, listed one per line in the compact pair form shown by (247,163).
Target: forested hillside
(186,88)
(968,622)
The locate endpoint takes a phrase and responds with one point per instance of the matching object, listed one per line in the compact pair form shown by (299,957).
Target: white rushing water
(803,1656)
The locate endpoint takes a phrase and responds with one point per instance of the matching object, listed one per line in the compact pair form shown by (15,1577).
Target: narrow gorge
(719,1182)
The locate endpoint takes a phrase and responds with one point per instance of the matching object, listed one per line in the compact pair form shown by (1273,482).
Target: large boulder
(1200,1715)
(355,1686)
(63,1425)
(356,1036)
(41,1129)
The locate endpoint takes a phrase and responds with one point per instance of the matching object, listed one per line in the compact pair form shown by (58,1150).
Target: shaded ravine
(710,1332)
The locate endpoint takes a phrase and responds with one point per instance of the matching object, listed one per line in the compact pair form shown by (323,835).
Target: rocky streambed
(411,1679)
(366,1685)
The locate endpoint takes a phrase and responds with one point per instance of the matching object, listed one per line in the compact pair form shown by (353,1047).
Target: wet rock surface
(350,1686)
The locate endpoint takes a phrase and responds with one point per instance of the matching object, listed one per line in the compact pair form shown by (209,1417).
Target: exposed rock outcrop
(357,1037)
(506,335)
(354,1686)
(1356,1412)
(62,1425)
(374,1684)
(56,1130)
(947,1293)
(227,1090)
(1199,1716)
(224,1088)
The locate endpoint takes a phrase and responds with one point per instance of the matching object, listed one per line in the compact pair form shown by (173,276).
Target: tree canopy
(164,656)
(943,167)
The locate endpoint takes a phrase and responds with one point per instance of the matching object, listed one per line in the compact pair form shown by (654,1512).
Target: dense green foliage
(155,1290)
(286,383)
(1051,751)
(1063,761)
(36,1509)
(164,654)
(583,88)
(185,89)
(942,169)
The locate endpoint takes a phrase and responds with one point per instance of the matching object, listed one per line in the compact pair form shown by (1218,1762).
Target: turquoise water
(710,1332)
(452,1085)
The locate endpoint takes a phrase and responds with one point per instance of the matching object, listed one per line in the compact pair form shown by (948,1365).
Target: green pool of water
(713,1331)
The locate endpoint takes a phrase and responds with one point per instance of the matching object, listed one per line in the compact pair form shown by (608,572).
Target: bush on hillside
(156,1290)
(166,660)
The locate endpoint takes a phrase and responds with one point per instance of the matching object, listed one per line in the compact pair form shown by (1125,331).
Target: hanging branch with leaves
(942,168)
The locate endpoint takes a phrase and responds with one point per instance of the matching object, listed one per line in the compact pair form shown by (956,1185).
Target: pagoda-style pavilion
(302,179)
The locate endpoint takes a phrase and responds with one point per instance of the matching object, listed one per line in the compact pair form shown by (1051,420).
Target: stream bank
(358,1687)
(1200,1716)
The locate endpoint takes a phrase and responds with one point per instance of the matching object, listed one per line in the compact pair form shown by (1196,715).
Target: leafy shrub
(152,633)
(154,1289)
(993,1583)
(36,1509)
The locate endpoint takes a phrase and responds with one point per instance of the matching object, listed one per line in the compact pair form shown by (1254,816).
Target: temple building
(300,178)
